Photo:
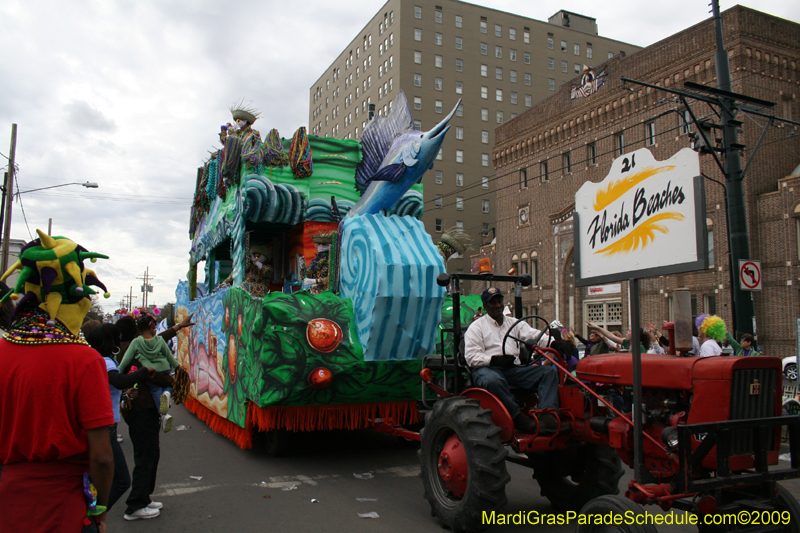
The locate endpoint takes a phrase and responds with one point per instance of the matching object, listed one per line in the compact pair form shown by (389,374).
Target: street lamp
(5,221)
(88,185)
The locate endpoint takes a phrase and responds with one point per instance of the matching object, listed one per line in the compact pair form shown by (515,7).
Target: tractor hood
(667,371)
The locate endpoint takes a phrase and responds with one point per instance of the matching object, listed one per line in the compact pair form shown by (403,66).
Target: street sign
(749,275)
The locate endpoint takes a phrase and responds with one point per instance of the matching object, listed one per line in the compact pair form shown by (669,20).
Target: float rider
(495,372)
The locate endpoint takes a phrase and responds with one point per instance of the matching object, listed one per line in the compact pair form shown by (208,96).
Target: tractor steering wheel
(535,342)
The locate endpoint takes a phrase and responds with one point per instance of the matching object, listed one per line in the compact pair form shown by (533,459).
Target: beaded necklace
(30,327)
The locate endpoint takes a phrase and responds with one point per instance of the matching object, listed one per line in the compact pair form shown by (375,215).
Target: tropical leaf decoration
(617,188)
(641,236)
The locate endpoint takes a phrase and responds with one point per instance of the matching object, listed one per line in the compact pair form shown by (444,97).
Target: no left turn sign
(749,275)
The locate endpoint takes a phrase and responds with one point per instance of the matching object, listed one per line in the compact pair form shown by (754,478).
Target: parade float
(320,297)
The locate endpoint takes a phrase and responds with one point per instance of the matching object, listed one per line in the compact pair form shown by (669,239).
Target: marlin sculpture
(395,157)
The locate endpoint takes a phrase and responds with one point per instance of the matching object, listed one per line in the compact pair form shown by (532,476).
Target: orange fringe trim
(243,437)
(344,416)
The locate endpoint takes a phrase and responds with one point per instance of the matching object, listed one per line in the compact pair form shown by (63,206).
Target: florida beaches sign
(646,218)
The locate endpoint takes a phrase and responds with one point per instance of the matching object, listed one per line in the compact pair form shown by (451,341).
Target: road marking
(180,489)
(400,471)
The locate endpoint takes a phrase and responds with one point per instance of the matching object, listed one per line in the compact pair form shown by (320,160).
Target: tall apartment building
(499,64)
(544,156)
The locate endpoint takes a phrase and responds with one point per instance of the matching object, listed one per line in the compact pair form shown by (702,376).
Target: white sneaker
(119,437)
(142,514)
(163,407)
(155,505)
(166,423)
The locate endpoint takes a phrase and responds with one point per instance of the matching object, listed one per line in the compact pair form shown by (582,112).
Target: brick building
(499,64)
(542,158)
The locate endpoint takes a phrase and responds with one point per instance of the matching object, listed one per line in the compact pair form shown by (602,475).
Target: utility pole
(8,195)
(146,287)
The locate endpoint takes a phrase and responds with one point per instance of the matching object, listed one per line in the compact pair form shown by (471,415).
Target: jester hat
(713,327)
(52,274)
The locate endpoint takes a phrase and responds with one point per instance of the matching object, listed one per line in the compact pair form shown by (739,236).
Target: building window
(498,95)
(485,206)
(437,16)
(437,106)
(535,272)
(564,66)
(439,225)
(498,30)
(526,37)
(459,44)
(563,46)
(512,54)
(437,39)
(417,12)
(523,178)
(418,57)
(485,160)
(515,263)
(484,92)
(650,133)
(485,185)
(484,49)
(459,65)
(485,137)
(498,73)
(417,34)
(459,203)
(528,100)
(710,230)
(577,68)
(439,154)
(527,57)
(619,144)
(438,201)
(589,52)
(459,133)
(527,79)
(591,153)
(484,71)
(566,162)
(551,84)
(543,171)
(512,34)
(438,177)
(484,114)
(459,21)
(437,84)
(512,75)
(498,52)
(686,122)
(459,179)
(460,226)
(417,80)
(550,43)
(513,97)
(460,110)
(499,117)
(459,156)
(437,61)
(610,55)
(459,87)
(417,103)
(484,26)
(577,49)
(418,125)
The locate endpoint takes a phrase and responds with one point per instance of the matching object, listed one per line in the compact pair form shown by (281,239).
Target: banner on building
(646,218)
(590,82)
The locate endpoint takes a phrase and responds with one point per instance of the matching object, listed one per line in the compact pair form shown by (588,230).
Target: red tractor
(711,429)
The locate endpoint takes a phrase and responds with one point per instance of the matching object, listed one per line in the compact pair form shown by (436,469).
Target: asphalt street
(329,480)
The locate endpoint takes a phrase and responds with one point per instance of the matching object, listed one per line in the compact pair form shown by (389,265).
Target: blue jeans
(122,479)
(497,380)
(157,391)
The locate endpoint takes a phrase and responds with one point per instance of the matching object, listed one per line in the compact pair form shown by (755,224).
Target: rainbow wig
(53,277)
(713,327)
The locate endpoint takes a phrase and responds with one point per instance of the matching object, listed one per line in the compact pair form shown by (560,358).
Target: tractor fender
(500,416)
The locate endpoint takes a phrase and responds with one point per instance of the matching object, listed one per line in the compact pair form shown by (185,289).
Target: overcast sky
(131,94)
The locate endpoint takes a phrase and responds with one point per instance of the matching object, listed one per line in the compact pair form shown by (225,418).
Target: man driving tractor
(495,372)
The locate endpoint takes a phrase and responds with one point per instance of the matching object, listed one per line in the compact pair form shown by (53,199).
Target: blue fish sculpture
(395,157)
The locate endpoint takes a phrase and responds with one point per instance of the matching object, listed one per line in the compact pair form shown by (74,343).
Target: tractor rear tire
(786,502)
(617,505)
(573,477)
(462,421)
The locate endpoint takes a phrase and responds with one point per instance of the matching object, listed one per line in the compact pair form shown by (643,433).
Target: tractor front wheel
(616,505)
(572,477)
(463,463)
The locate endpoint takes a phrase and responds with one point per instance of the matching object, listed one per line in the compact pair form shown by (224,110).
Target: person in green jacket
(151,350)
(746,348)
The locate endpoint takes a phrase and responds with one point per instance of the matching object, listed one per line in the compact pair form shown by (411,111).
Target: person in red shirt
(54,403)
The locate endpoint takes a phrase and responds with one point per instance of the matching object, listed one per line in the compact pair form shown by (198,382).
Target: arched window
(710,230)
(515,262)
(535,268)
(523,264)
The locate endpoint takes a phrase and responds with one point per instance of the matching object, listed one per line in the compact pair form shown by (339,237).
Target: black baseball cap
(490,293)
